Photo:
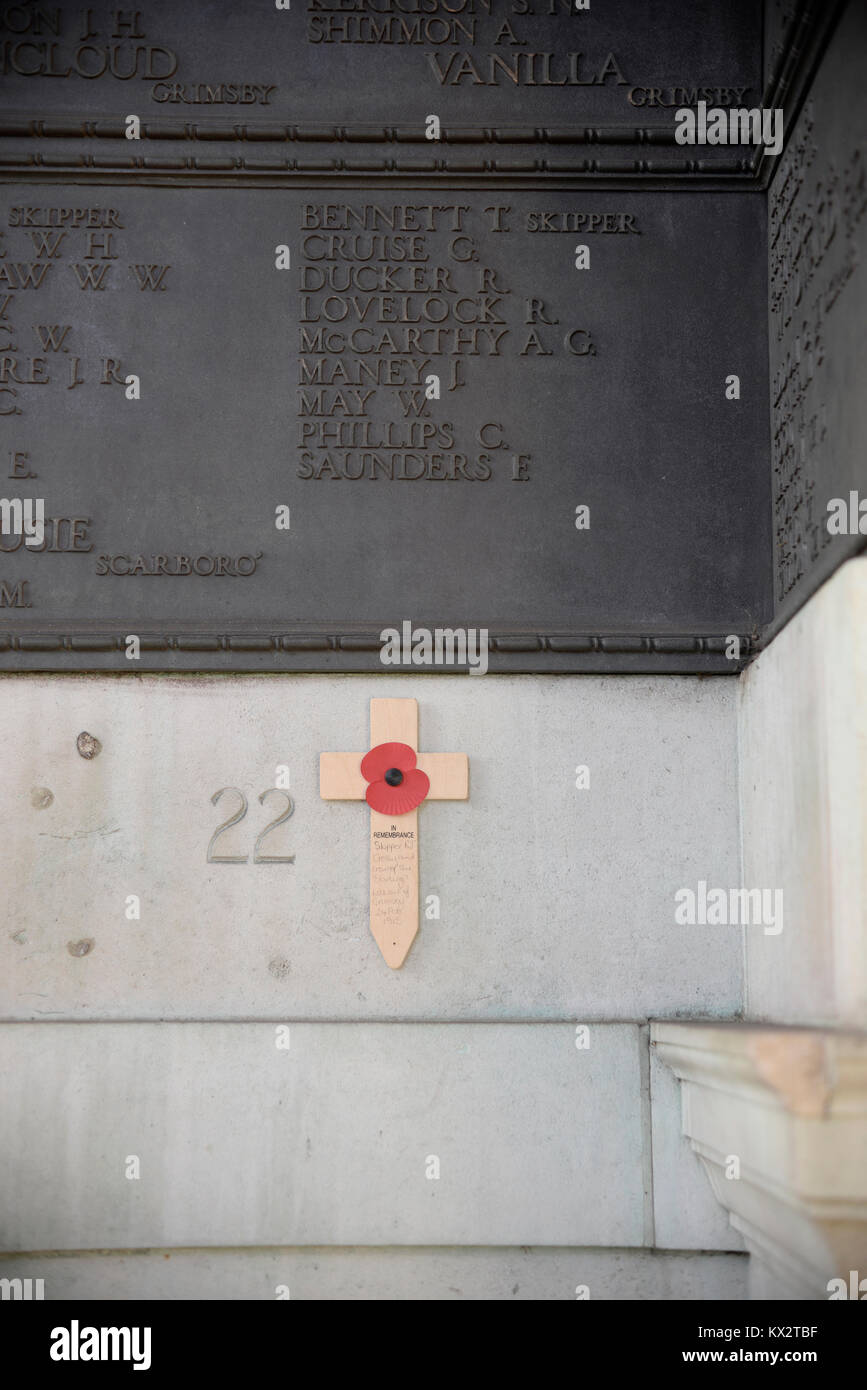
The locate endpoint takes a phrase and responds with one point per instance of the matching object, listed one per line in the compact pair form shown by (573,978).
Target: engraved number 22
(258,858)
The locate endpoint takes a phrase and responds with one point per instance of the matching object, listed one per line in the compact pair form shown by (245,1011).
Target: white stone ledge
(790,1106)
(392,1273)
(329,1142)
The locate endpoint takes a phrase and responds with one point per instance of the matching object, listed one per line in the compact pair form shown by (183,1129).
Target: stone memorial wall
(359,342)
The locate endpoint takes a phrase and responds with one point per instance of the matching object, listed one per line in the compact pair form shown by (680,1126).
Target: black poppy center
(394,777)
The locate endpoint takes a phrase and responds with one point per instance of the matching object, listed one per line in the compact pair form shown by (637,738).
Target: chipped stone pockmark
(88,745)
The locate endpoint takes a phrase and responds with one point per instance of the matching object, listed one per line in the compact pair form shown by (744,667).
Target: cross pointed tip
(394,953)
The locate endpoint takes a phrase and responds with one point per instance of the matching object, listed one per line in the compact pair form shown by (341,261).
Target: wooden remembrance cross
(393,834)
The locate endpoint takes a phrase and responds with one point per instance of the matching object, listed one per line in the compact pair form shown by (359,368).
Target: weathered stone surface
(331,1141)
(686,1215)
(803,775)
(554,902)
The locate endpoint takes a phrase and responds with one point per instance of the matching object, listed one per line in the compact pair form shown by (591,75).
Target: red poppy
(396,784)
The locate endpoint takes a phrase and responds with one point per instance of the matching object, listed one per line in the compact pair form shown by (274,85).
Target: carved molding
(806,39)
(47,165)
(809,30)
(41,126)
(790,1105)
(551,649)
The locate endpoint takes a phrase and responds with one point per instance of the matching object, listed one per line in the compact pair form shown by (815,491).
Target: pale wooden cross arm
(340,776)
(394,721)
